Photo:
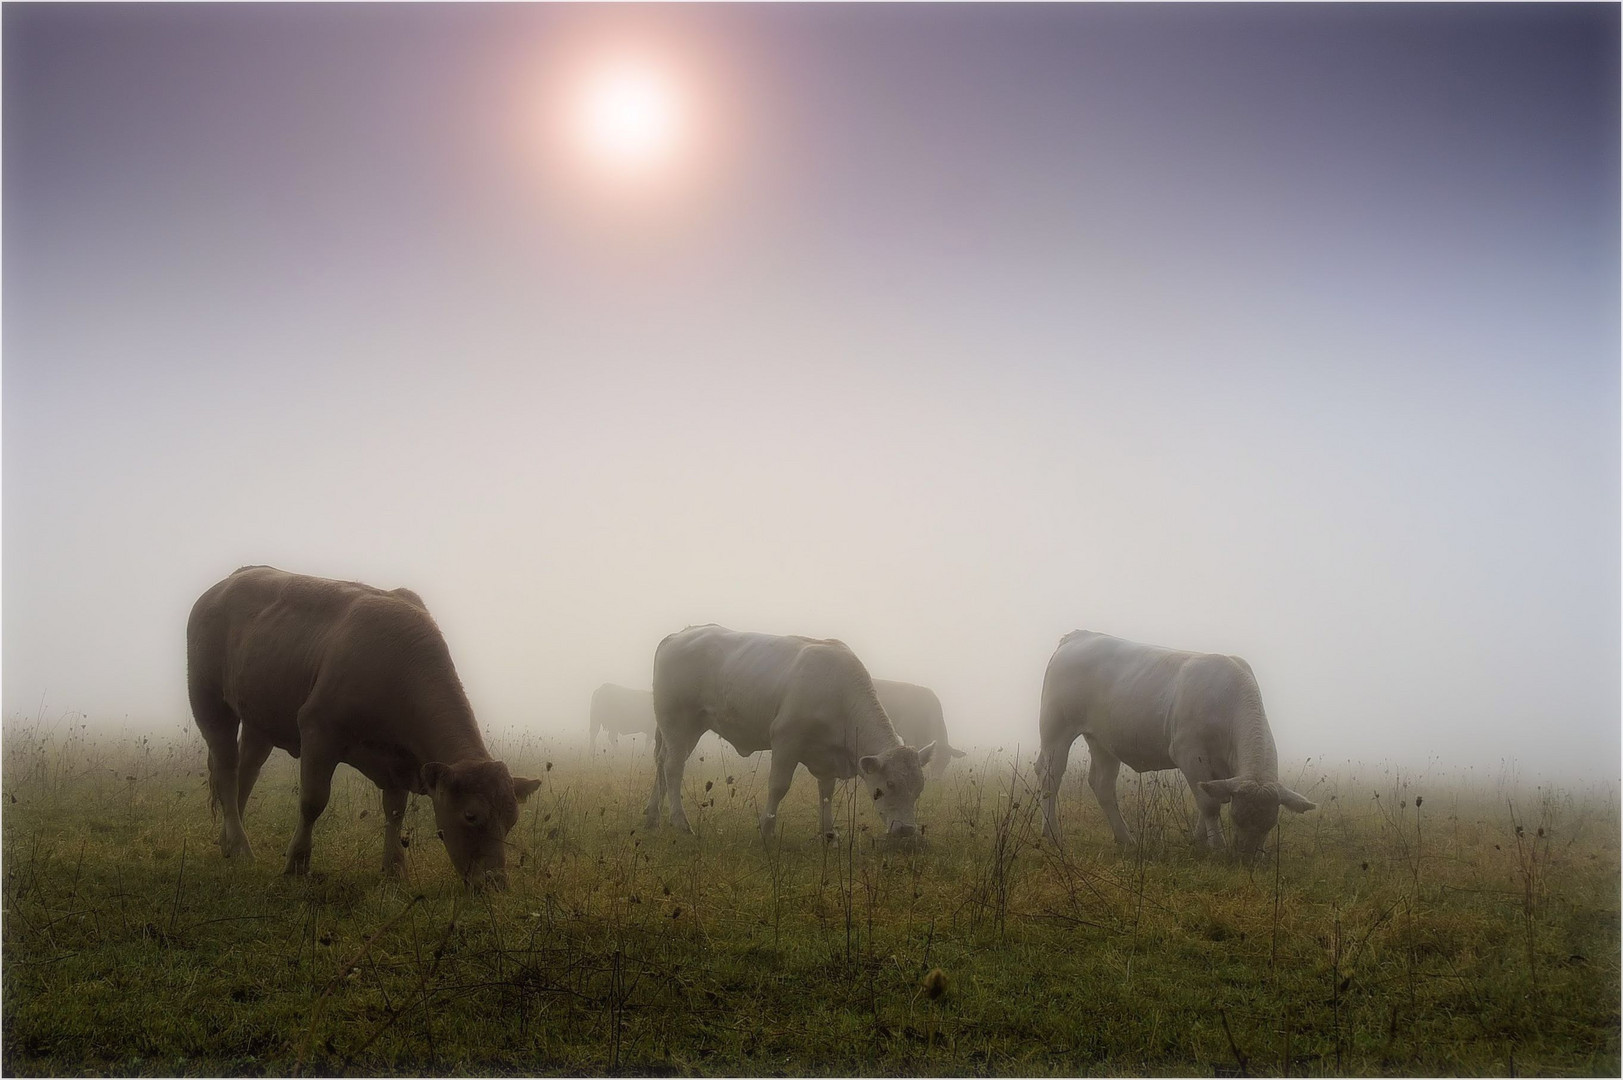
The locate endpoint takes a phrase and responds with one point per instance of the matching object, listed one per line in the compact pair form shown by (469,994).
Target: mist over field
(1286,332)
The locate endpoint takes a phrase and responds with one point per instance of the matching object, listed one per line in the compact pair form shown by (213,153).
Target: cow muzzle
(494,879)
(901,830)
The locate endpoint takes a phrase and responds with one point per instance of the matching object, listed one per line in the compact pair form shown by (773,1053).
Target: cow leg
(777,786)
(650,819)
(219,725)
(252,751)
(316,765)
(394,812)
(591,736)
(1102,769)
(1051,762)
(678,745)
(943,753)
(1209,819)
(825,805)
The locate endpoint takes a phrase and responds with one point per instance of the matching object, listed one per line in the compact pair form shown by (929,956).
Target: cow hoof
(681,825)
(297,866)
(831,837)
(234,842)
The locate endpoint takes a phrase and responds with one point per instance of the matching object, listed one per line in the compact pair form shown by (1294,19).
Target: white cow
(619,710)
(1156,708)
(810,702)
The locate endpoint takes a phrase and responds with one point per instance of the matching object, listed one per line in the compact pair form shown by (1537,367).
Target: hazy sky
(1290,332)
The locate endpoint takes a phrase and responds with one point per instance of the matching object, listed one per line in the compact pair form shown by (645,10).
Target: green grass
(1407,927)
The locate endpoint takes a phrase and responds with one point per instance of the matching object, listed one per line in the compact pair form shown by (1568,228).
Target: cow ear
(524,787)
(1221,790)
(868,764)
(953,751)
(433,773)
(1292,801)
(926,752)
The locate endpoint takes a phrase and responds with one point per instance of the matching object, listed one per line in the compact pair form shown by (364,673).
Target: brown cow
(337,671)
(915,713)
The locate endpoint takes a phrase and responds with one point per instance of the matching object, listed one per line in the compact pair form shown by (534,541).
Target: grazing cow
(336,671)
(810,702)
(1156,708)
(619,711)
(915,713)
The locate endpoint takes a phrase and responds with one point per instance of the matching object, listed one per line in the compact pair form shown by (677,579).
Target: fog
(1291,333)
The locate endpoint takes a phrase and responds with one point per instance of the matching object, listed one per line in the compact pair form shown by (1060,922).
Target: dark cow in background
(915,713)
(1153,708)
(810,702)
(337,671)
(619,710)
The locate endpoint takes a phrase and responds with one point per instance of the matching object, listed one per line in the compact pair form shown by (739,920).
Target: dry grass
(1412,925)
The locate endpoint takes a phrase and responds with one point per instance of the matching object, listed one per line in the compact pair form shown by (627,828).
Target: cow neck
(874,734)
(447,729)
(451,746)
(1254,753)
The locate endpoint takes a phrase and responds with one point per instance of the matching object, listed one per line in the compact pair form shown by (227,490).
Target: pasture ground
(1430,924)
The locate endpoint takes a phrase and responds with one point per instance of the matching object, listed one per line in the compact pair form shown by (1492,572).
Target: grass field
(1433,924)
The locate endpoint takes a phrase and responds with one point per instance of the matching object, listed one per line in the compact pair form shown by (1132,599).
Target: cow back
(263,639)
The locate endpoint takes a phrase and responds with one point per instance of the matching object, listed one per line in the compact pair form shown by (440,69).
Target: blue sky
(1286,331)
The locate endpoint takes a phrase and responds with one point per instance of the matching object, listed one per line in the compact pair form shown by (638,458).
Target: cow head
(894,780)
(1255,808)
(475,804)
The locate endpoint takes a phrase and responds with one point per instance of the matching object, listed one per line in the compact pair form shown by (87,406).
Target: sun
(629,119)
(630,133)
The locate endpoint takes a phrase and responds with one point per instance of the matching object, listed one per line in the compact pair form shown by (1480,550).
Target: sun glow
(630,119)
(626,132)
